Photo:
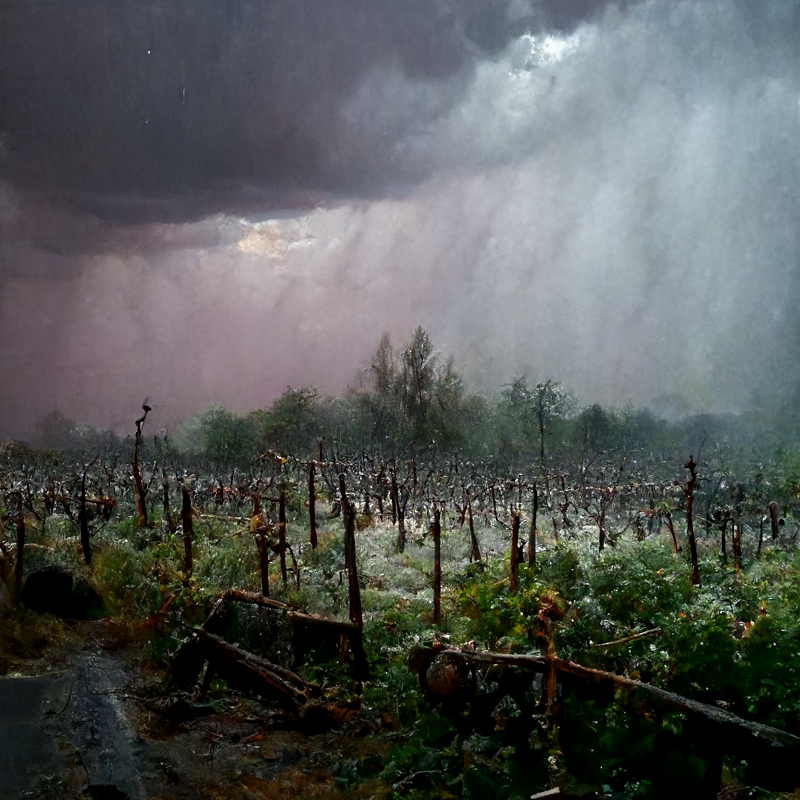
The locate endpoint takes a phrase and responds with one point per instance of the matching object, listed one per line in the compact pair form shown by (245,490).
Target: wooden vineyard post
(262,543)
(168,518)
(402,498)
(83,523)
(261,533)
(381,490)
(760,535)
(399,501)
(514,550)
(532,530)
(393,493)
(689,489)
(141,498)
(723,528)
(736,537)
(353,590)
(667,515)
(282,530)
(551,706)
(475,551)
(312,506)
(774,519)
(436,530)
(187,523)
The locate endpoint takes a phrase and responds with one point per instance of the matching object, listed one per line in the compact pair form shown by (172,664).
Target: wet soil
(104,728)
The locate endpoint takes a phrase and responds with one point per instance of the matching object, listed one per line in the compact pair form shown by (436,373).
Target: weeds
(632,609)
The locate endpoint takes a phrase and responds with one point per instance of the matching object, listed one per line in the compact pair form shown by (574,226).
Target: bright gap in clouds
(549,49)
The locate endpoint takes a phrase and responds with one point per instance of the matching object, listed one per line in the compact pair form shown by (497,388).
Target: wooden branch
(765,733)
(651,632)
(320,622)
(272,680)
(28,546)
(314,620)
(734,725)
(241,596)
(106,502)
(351,630)
(536,663)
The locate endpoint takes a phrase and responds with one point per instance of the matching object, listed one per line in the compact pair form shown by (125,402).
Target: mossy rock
(57,591)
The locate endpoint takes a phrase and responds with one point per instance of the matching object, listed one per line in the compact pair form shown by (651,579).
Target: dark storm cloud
(603,194)
(162,99)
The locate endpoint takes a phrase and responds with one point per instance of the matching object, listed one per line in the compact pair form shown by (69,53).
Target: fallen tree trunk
(765,733)
(242,668)
(301,621)
(298,698)
(740,735)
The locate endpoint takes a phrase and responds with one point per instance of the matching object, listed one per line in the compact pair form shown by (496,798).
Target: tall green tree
(530,417)
(419,376)
(293,424)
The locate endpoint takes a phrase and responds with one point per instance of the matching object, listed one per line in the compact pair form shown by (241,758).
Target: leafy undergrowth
(632,610)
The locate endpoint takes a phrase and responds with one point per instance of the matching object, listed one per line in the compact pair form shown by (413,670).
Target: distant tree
(224,438)
(54,430)
(414,395)
(595,429)
(379,407)
(292,424)
(446,416)
(58,432)
(383,368)
(551,402)
(420,362)
(529,416)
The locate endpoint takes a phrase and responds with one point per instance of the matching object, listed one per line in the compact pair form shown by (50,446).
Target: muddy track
(94,730)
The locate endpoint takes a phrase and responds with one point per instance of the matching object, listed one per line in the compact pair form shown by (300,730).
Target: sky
(208,201)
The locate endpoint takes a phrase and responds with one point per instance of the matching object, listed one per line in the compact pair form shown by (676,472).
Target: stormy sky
(206,201)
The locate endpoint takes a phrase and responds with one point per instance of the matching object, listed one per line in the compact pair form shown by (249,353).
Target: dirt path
(98,730)
(68,734)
